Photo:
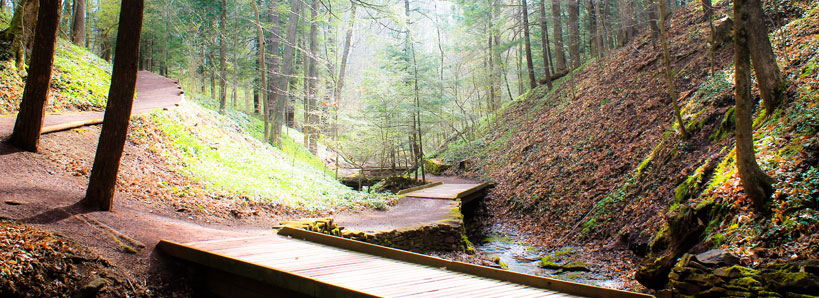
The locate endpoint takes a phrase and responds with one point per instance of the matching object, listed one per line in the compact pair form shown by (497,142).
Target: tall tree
(756,183)
(708,11)
(544,41)
(345,52)
(287,71)
(594,37)
(260,61)
(78,25)
(557,27)
(26,133)
(527,42)
(771,85)
(669,73)
(311,125)
(273,59)
(574,33)
(103,179)
(222,57)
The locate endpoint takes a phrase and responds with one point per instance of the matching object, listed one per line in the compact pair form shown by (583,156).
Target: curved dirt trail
(153,92)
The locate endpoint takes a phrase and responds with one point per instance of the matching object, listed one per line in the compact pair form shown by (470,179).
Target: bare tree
(557,27)
(222,58)
(669,73)
(574,33)
(544,40)
(78,25)
(771,85)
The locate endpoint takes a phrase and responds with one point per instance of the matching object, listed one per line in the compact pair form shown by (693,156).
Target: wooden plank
(290,281)
(504,275)
(218,243)
(417,188)
(420,286)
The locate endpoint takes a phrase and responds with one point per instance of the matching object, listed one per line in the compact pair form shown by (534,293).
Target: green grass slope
(80,81)
(224,153)
(605,167)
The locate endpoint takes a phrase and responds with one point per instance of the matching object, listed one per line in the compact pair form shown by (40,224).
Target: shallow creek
(518,256)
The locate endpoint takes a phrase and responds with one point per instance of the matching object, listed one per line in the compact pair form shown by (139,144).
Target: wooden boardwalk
(463,192)
(327,266)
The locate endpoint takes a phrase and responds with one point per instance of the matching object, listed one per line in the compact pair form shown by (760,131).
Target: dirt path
(41,190)
(153,92)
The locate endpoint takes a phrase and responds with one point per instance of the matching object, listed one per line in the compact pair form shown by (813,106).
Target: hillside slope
(602,169)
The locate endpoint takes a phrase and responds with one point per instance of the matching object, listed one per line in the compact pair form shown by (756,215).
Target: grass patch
(231,162)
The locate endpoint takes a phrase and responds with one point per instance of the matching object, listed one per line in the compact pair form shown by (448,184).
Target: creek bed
(511,249)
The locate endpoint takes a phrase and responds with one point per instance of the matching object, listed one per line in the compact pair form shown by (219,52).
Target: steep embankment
(601,165)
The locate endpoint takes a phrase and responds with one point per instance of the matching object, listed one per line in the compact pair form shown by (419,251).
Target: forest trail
(408,212)
(153,92)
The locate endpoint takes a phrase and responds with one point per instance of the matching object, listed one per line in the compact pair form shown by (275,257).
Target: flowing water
(512,250)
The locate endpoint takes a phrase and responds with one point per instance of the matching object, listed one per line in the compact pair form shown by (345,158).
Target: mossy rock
(436,166)
(576,267)
(550,265)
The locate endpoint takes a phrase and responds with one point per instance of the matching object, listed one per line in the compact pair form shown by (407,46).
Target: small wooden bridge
(463,192)
(299,263)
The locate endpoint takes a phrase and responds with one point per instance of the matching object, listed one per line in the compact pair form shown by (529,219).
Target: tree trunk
(311,127)
(262,71)
(26,133)
(544,41)
(78,25)
(345,53)
(708,11)
(528,44)
(669,76)
(594,44)
(756,183)
(574,33)
(287,72)
(274,76)
(771,85)
(557,28)
(222,58)
(103,180)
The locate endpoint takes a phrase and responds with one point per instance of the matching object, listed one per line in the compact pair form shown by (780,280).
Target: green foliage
(81,77)
(215,150)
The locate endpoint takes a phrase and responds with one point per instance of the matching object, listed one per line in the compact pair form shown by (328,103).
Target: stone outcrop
(716,274)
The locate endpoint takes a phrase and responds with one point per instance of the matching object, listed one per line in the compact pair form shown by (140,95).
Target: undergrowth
(80,81)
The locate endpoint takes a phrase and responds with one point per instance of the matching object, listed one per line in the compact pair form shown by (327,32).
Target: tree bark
(708,11)
(103,180)
(222,58)
(756,183)
(78,25)
(594,37)
(287,71)
(345,53)
(771,85)
(262,71)
(574,33)
(669,76)
(544,41)
(26,133)
(311,129)
(528,44)
(274,76)
(557,27)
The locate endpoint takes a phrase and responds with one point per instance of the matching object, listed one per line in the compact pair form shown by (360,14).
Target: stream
(512,250)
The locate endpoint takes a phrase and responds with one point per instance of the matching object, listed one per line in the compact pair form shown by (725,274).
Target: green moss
(724,171)
(726,127)
(550,265)
(575,266)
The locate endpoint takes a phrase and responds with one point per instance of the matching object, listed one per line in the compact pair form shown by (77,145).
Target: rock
(91,289)
(549,265)
(723,32)
(436,166)
(717,257)
(575,267)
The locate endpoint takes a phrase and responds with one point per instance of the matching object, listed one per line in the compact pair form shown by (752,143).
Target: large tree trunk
(222,58)
(669,74)
(311,127)
(287,72)
(708,11)
(557,28)
(594,37)
(574,33)
(527,42)
(756,183)
(544,41)
(78,25)
(771,85)
(26,133)
(103,180)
